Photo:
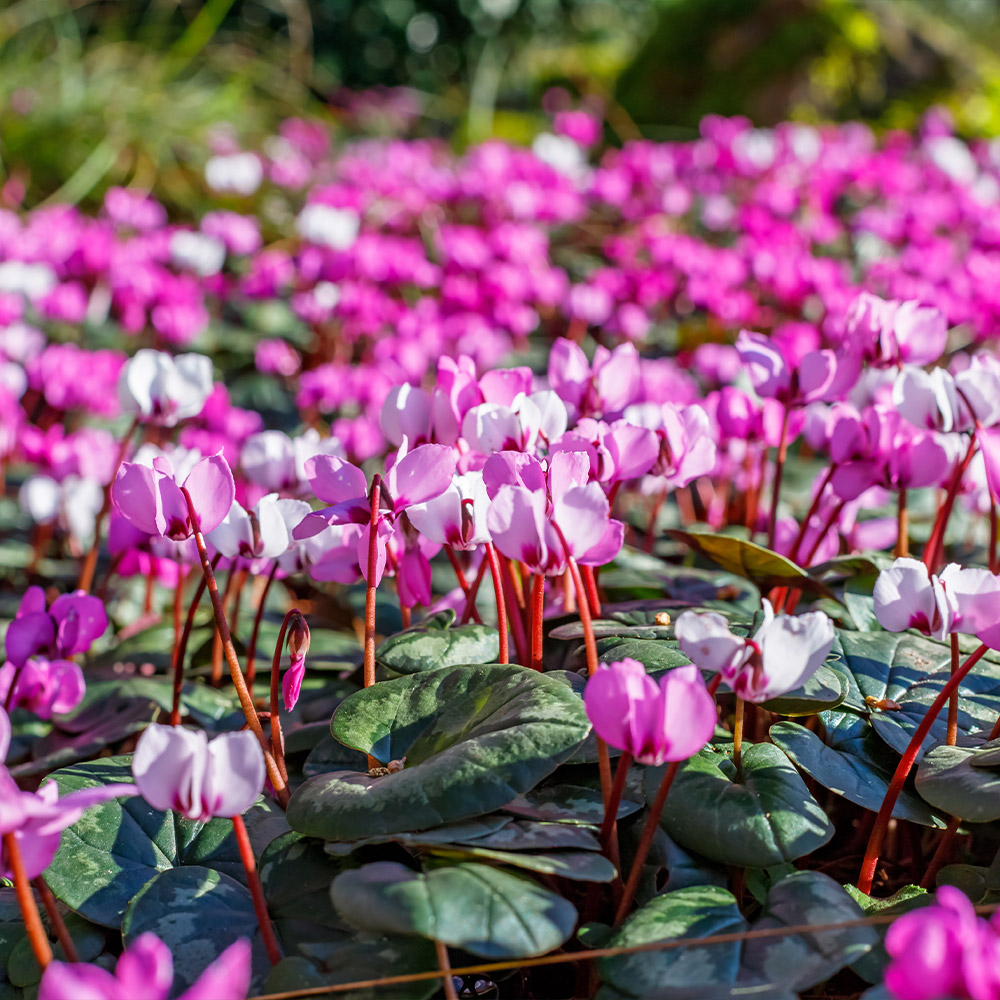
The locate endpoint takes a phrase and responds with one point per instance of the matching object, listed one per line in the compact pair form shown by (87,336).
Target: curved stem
(253,881)
(26,900)
(491,555)
(277,742)
(903,768)
(470,600)
(86,578)
(216,676)
(537,628)
(180,649)
(645,842)
(56,921)
(793,552)
(590,581)
(251,671)
(608,840)
(941,853)
(514,598)
(246,700)
(935,544)
(9,700)
(824,531)
(461,578)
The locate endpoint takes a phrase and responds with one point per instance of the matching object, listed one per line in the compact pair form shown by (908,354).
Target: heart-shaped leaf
(765,967)
(761,818)
(949,780)
(853,762)
(197,913)
(473,737)
(826,689)
(116,847)
(437,642)
(485,911)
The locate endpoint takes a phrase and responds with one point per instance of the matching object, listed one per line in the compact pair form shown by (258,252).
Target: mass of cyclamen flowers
(508,366)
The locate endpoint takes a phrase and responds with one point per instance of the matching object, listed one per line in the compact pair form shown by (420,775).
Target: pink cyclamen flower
(907,595)
(653,722)
(145,971)
(781,656)
(181,769)
(45,687)
(153,500)
(298,647)
(944,950)
(37,819)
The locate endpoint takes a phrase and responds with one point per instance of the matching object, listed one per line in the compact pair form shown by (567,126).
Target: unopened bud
(298,637)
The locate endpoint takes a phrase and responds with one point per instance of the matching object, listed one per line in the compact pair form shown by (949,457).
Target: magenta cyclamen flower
(782,655)
(653,722)
(181,769)
(958,600)
(153,500)
(145,971)
(944,950)
(68,627)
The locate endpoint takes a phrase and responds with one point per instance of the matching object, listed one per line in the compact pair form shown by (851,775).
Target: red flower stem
(654,513)
(246,700)
(902,525)
(147,599)
(645,842)
(251,670)
(590,644)
(180,649)
(951,736)
(179,601)
(56,921)
(903,768)
(587,572)
(277,742)
(515,608)
(462,581)
(935,544)
(779,468)
(470,601)
(445,966)
(216,676)
(37,937)
(738,737)
(491,556)
(369,669)
(609,825)
(9,700)
(824,531)
(537,630)
(941,853)
(793,552)
(253,881)
(86,578)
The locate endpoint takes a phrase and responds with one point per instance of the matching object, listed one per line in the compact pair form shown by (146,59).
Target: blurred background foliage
(100,92)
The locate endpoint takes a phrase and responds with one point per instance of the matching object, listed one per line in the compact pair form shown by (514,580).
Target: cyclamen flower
(258,533)
(37,819)
(298,647)
(145,971)
(782,655)
(165,389)
(181,769)
(907,595)
(653,722)
(944,950)
(153,500)
(68,627)
(893,332)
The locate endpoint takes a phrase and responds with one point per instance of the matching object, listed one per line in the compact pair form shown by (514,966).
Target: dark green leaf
(437,642)
(947,779)
(488,912)
(473,738)
(763,818)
